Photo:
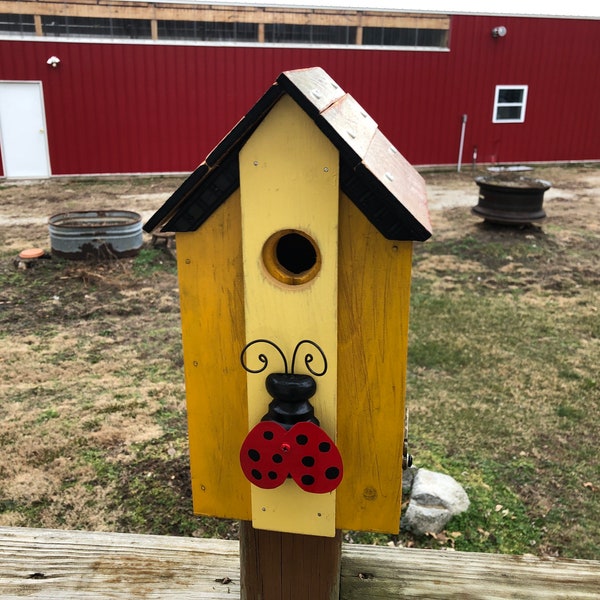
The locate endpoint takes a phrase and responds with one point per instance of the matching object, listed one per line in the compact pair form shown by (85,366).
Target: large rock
(435,498)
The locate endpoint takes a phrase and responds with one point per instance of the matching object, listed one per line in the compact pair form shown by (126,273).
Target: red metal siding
(116,108)
(556,58)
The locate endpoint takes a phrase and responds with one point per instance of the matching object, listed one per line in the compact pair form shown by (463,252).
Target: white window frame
(522,104)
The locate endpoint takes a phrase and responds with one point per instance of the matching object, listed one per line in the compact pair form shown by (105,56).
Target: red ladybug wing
(263,455)
(315,462)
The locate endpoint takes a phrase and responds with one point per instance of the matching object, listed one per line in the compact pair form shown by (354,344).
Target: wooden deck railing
(52,564)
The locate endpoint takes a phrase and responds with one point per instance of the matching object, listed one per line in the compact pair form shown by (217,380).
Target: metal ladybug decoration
(288,441)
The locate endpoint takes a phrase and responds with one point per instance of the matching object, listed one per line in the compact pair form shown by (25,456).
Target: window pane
(220,31)
(309,34)
(399,36)
(96,27)
(176,30)
(372,36)
(16,23)
(508,113)
(389,36)
(131,28)
(510,96)
(435,38)
(403,36)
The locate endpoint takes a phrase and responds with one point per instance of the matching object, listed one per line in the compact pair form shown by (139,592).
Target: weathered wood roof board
(47,564)
(376,177)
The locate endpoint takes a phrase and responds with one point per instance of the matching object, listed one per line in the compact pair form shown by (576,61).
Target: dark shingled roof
(373,174)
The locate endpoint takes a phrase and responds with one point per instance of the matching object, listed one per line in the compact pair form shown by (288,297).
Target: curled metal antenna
(261,357)
(308,358)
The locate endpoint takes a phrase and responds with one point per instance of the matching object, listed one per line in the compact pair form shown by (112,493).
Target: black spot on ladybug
(332,473)
(256,474)
(277,458)
(324,447)
(268,435)
(254,455)
(308,479)
(308,461)
(302,440)
(272,475)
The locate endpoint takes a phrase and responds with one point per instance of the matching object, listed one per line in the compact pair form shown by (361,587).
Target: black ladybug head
(290,386)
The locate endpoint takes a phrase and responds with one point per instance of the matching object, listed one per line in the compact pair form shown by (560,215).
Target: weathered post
(294,242)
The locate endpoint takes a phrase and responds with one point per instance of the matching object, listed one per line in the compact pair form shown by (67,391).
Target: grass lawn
(503,386)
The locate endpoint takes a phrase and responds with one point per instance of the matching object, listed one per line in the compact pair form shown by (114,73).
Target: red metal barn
(152,106)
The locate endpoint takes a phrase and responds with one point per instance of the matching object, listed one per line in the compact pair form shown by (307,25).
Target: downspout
(462,141)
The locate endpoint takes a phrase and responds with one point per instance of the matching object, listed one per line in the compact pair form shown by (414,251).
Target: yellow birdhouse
(294,241)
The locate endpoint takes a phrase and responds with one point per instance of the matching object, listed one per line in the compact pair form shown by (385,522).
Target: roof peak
(373,174)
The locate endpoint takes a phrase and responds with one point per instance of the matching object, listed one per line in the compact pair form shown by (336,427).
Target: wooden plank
(43,564)
(210,259)
(389,167)
(348,120)
(377,572)
(313,89)
(373,304)
(289,182)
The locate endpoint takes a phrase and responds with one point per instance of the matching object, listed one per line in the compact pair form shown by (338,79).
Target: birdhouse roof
(373,174)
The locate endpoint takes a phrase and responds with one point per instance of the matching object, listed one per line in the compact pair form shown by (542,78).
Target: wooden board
(289,181)
(43,564)
(212,310)
(348,120)
(223,13)
(374,291)
(377,572)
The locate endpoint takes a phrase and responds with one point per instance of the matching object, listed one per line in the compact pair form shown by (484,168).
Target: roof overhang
(373,174)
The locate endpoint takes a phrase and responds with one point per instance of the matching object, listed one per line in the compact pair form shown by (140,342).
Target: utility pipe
(462,141)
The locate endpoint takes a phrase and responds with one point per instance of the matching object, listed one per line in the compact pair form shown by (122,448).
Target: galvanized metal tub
(511,200)
(96,234)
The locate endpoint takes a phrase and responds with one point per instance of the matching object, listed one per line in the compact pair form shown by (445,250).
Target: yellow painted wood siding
(212,320)
(373,305)
(289,180)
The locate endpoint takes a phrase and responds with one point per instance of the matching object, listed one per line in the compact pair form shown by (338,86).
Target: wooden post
(288,566)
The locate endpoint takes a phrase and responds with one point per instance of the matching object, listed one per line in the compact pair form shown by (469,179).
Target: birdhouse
(294,241)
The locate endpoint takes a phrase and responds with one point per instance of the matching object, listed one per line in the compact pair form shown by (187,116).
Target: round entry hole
(291,257)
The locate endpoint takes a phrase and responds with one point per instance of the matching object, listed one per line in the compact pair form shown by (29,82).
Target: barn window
(207,31)
(219,24)
(405,36)
(56,25)
(17,24)
(509,104)
(292,33)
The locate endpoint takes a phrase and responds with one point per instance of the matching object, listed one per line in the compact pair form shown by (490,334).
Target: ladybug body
(288,441)
(270,453)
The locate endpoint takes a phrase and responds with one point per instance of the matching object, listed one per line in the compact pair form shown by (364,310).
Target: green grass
(503,396)
(152,260)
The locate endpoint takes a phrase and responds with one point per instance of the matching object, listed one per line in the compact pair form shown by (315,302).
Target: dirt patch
(572,228)
(26,206)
